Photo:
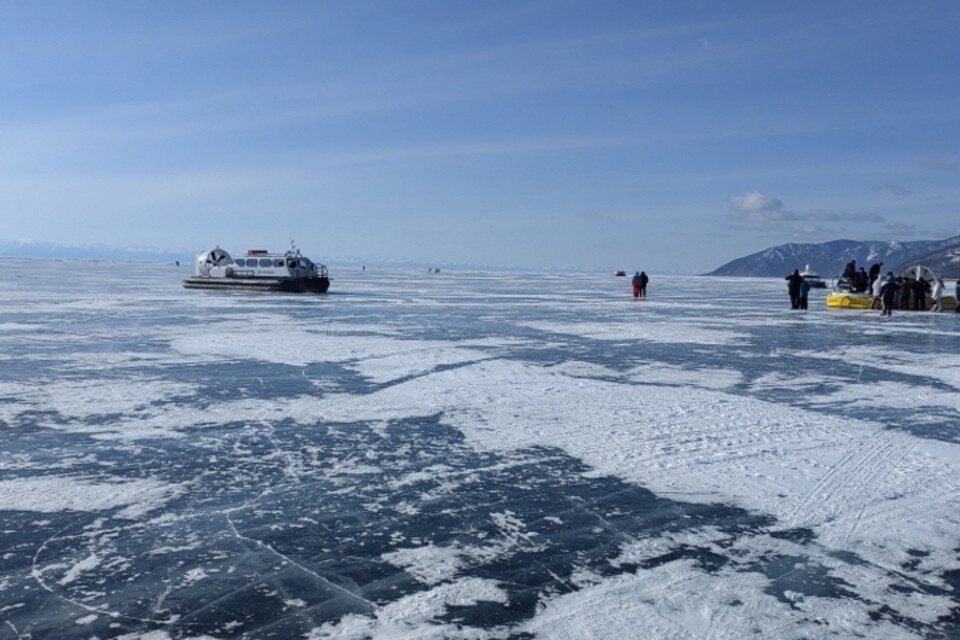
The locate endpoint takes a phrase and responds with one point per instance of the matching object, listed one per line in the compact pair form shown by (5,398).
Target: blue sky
(670,136)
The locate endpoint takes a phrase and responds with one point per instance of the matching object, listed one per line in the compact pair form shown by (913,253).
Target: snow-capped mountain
(829,258)
(944,262)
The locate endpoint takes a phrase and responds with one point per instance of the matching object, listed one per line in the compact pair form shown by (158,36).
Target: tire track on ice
(852,482)
(860,514)
(693,442)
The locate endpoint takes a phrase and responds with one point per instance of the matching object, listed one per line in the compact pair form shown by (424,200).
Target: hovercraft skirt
(301,285)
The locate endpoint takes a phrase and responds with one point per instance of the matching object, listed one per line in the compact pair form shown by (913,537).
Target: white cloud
(756,210)
(756,202)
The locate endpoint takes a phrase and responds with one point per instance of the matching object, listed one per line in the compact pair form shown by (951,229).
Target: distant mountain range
(54,251)
(829,258)
(109,253)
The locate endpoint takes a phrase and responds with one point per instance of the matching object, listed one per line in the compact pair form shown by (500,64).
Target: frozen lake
(477,456)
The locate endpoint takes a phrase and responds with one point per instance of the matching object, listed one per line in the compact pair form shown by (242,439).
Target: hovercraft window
(266,262)
(278,263)
(240,262)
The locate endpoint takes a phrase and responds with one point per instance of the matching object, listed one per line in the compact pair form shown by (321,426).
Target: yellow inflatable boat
(843,298)
(849,300)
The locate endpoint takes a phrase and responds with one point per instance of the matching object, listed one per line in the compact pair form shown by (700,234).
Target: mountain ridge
(829,258)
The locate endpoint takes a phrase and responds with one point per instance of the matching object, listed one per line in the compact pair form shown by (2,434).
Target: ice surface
(49,494)
(471,455)
(664,332)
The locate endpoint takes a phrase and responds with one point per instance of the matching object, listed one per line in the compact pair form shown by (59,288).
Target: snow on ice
(471,455)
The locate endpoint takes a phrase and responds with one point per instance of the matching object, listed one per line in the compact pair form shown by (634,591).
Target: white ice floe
(55,493)
(161,635)
(378,358)
(938,365)
(290,346)
(888,394)
(414,617)
(850,480)
(412,362)
(657,603)
(87,564)
(656,374)
(429,564)
(84,399)
(432,564)
(853,482)
(694,432)
(702,377)
(656,332)
(859,486)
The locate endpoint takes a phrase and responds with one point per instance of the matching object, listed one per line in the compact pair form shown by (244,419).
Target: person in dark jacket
(905,293)
(850,271)
(919,287)
(888,293)
(804,294)
(793,288)
(644,279)
(863,280)
(874,272)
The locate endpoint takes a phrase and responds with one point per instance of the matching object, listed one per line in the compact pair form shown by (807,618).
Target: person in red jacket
(637,284)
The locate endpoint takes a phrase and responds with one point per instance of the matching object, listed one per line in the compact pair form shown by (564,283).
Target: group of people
(639,283)
(889,292)
(909,293)
(859,280)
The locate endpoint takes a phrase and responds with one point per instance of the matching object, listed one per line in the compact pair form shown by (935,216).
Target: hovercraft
(259,270)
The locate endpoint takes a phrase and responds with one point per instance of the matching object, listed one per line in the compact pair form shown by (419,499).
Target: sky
(666,136)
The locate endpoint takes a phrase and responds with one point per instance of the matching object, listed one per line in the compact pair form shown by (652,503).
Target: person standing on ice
(644,279)
(936,295)
(804,293)
(874,273)
(957,294)
(905,290)
(636,283)
(888,293)
(793,288)
(919,287)
(875,286)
